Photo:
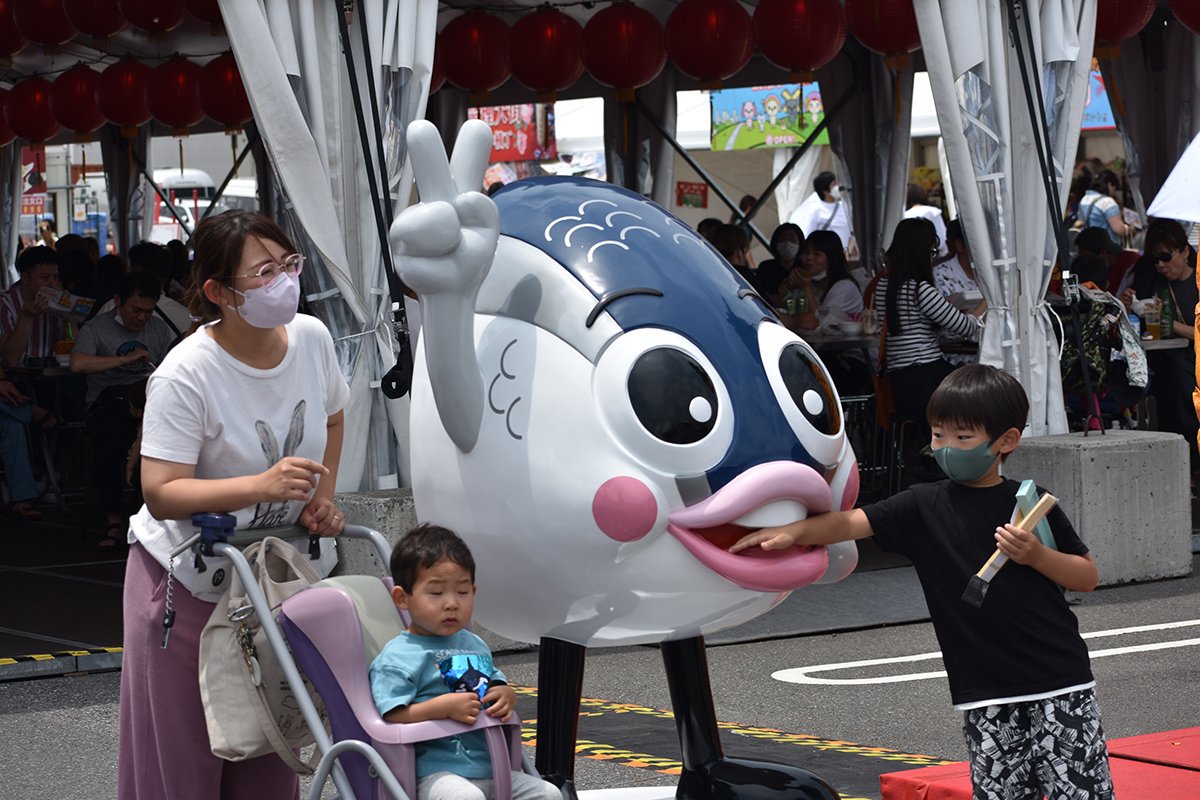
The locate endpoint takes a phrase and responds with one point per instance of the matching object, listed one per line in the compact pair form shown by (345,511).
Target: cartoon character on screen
(601,406)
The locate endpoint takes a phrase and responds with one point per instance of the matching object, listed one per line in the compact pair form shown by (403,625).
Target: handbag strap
(275,737)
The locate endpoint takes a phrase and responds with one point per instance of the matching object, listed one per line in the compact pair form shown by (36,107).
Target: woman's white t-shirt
(206,408)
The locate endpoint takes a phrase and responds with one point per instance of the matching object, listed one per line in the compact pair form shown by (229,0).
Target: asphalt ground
(58,735)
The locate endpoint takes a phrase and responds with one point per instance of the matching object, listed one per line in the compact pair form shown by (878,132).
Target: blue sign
(1097,112)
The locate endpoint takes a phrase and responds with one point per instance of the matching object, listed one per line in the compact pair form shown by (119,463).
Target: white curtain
(893,145)
(290,57)
(1154,90)
(991,148)
(10,210)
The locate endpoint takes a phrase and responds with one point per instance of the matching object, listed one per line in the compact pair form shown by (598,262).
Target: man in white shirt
(917,205)
(824,210)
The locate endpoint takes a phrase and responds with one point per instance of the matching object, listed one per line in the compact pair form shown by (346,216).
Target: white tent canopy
(992,146)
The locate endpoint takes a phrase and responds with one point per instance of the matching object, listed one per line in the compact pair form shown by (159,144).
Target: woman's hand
(322,517)
(1127,298)
(291,478)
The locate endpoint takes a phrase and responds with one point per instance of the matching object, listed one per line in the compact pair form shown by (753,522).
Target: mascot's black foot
(742,779)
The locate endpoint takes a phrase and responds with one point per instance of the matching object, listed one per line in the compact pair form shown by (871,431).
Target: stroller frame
(215,537)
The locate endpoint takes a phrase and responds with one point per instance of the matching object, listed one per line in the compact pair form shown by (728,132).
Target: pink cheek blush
(850,496)
(624,509)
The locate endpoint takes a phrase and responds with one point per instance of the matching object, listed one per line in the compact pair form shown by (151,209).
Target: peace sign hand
(444,245)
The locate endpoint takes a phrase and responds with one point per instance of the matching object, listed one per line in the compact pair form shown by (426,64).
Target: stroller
(332,631)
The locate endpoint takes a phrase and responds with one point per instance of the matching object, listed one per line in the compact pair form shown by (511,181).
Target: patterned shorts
(1053,747)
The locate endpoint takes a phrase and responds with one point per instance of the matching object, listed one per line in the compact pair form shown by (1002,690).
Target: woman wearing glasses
(245,417)
(1167,272)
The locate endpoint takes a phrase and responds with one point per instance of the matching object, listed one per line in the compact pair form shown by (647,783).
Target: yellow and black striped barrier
(62,662)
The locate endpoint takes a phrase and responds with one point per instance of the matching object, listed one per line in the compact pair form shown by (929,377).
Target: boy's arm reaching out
(836,526)
(1074,572)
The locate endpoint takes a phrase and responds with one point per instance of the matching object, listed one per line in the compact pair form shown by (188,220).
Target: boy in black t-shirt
(1017,666)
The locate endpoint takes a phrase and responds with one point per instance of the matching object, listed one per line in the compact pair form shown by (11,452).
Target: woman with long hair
(786,243)
(244,416)
(914,313)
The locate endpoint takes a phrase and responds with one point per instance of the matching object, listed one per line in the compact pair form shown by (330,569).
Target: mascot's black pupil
(809,387)
(673,397)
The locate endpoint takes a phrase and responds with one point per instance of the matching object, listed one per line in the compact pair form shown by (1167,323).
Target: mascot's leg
(707,774)
(560,685)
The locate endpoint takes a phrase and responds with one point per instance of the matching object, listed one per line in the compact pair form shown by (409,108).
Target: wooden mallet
(978,586)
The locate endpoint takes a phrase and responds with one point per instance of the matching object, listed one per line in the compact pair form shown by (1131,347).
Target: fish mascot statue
(600,407)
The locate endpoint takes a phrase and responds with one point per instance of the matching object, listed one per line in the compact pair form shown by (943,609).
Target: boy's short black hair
(979,396)
(424,546)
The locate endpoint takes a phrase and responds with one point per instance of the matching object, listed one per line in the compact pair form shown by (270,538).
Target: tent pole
(161,194)
(1041,136)
(250,142)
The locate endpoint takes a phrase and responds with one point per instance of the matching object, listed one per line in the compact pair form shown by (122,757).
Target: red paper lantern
(73,99)
(11,40)
(6,134)
(885,26)
(1117,20)
(437,75)
(545,51)
(121,94)
(98,18)
(222,95)
(155,17)
(28,113)
(624,47)
(710,40)
(1188,13)
(475,51)
(800,36)
(206,10)
(173,95)
(44,22)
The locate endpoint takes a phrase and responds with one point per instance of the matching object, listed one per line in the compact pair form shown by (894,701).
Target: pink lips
(757,569)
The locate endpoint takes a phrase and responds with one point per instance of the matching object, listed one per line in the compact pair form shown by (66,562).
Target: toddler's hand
(461,707)
(503,699)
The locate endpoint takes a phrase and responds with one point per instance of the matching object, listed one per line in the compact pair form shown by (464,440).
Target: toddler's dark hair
(979,396)
(424,546)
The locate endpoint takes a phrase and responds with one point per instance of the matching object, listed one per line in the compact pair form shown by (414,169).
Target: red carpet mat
(1179,748)
(1135,777)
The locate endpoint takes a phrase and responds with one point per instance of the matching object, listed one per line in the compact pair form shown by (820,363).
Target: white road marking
(805,674)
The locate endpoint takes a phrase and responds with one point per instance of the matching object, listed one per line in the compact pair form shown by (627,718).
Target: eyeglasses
(267,273)
(1165,256)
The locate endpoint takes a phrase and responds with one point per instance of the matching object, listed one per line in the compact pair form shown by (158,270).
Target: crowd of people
(929,305)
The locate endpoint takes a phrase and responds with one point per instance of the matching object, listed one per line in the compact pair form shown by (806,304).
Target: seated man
(156,260)
(14,453)
(27,328)
(117,351)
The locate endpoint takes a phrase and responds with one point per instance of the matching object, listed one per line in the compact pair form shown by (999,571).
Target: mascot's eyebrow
(618,294)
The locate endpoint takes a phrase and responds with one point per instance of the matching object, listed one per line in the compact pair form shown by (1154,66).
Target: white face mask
(788,250)
(272,305)
(835,192)
(820,276)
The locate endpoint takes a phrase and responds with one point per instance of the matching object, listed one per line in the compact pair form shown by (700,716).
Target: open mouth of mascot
(763,496)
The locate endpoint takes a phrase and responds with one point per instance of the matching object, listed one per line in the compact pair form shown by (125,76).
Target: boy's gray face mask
(963,466)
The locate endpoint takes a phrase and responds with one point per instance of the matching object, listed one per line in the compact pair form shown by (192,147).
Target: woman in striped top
(915,312)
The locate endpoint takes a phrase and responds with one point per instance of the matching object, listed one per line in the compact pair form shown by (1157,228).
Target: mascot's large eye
(673,397)
(663,402)
(804,391)
(810,389)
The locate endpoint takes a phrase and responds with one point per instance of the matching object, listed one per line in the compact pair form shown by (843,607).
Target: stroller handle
(285,532)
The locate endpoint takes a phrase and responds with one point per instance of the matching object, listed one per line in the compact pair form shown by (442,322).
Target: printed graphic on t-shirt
(141,365)
(269,515)
(466,673)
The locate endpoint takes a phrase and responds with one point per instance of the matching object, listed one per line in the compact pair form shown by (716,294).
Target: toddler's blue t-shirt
(412,669)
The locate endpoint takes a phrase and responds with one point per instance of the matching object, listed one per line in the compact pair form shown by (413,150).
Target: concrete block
(392,513)
(1128,494)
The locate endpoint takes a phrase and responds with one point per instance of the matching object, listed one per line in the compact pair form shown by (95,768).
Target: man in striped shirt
(27,327)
